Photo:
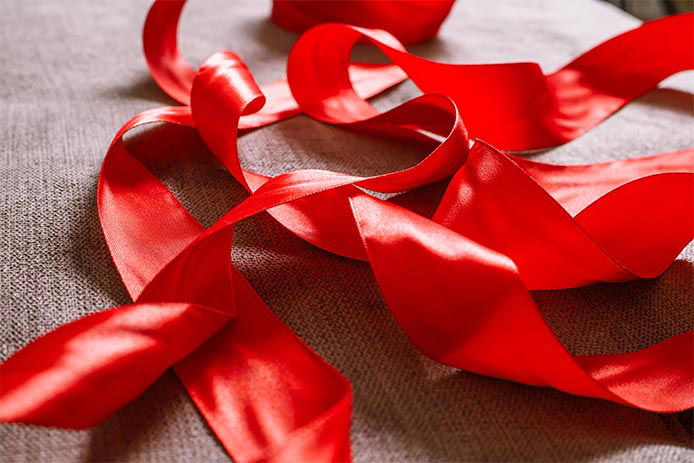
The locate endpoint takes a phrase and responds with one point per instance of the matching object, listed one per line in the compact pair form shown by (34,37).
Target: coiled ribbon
(458,284)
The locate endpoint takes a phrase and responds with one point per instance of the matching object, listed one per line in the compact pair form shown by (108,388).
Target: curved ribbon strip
(457,284)
(513,106)
(170,70)
(411,21)
(121,351)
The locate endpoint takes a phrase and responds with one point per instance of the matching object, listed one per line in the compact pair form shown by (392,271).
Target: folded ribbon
(410,21)
(458,284)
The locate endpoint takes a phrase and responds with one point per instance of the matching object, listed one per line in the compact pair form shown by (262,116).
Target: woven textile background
(651,9)
(72,72)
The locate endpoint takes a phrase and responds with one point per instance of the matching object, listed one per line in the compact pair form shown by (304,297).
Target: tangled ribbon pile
(458,283)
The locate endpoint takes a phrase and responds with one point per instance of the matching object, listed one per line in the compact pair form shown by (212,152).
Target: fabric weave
(63,100)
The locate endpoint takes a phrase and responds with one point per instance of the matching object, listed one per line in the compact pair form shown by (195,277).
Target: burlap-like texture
(71,73)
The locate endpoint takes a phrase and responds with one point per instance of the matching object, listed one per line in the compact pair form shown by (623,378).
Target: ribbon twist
(458,283)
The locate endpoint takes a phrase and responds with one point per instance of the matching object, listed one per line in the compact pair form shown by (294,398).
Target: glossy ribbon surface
(410,21)
(458,283)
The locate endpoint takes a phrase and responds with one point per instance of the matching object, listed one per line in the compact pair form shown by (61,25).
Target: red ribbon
(410,21)
(457,284)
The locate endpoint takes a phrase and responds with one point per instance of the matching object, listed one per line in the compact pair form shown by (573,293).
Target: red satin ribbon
(457,284)
(410,21)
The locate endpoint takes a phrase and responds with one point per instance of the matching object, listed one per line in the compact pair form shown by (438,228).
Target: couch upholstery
(72,73)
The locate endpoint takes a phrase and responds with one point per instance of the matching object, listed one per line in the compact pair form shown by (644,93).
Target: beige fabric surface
(72,72)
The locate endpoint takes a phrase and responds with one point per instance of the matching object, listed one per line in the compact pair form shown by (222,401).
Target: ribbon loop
(457,284)
(224,90)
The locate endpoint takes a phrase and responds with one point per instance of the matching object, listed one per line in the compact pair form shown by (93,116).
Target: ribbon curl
(457,284)
(410,21)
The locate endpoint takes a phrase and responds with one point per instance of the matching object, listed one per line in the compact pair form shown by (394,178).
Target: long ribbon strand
(458,284)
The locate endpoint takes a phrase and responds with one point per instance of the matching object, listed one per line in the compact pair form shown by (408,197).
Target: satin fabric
(410,21)
(458,283)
